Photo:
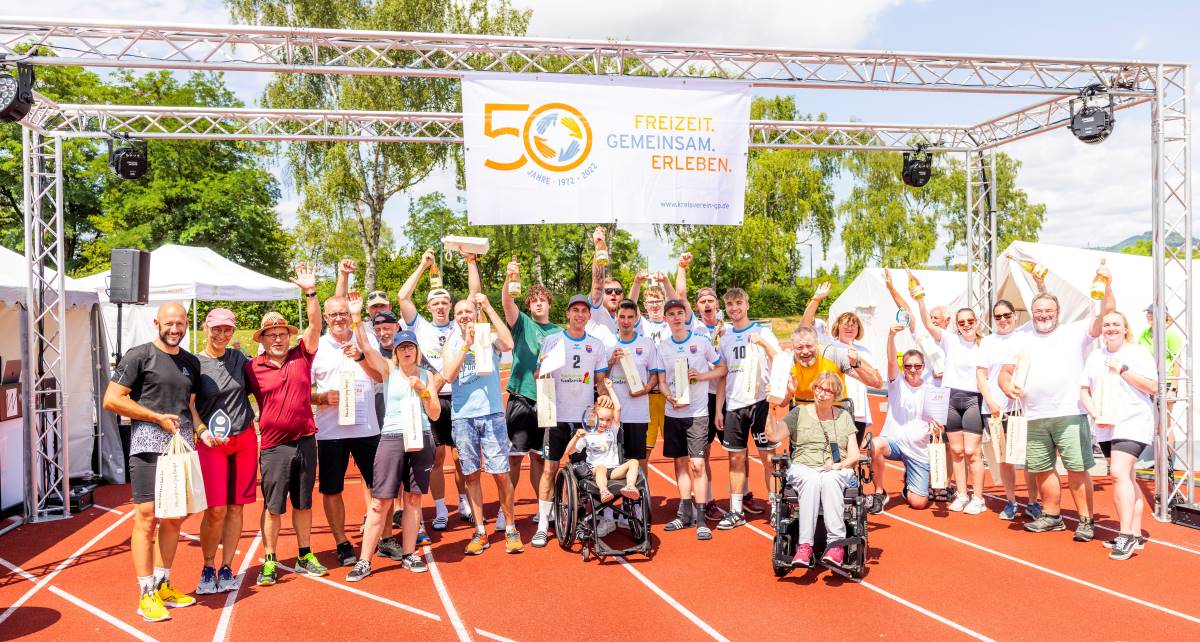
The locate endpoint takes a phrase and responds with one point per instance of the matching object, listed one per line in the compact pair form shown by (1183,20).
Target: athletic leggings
(964,412)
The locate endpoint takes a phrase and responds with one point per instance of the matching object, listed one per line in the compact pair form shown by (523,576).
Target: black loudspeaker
(129,280)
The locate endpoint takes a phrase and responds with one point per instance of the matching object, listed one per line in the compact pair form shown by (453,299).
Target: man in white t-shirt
(635,405)
(576,361)
(338,439)
(905,433)
(686,433)
(1050,399)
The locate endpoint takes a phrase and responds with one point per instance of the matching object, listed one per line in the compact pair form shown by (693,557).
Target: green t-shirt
(1174,342)
(811,438)
(527,342)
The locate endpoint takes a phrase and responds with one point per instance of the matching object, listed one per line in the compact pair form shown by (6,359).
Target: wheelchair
(787,530)
(578,508)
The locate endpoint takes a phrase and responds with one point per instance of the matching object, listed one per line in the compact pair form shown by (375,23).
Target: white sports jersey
(431,338)
(634,410)
(656,331)
(733,350)
(701,356)
(709,332)
(601,317)
(574,382)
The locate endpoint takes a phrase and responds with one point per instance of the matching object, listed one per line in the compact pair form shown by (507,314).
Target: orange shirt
(806,375)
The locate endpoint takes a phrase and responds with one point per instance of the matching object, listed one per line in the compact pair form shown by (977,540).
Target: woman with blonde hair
(846,333)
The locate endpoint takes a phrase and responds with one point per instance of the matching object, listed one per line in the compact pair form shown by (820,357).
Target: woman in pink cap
(231,466)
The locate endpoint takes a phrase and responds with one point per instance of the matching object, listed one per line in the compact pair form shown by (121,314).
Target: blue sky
(1095,195)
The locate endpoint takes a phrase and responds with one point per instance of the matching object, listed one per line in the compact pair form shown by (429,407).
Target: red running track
(931,575)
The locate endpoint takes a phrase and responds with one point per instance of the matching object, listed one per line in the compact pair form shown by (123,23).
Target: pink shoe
(834,555)
(803,557)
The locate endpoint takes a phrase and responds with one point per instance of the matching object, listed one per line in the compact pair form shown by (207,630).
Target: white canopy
(182,273)
(867,297)
(14,282)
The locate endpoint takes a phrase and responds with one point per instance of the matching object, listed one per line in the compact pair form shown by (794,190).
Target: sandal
(676,524)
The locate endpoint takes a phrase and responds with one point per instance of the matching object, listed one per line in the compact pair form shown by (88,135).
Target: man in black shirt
(155,386)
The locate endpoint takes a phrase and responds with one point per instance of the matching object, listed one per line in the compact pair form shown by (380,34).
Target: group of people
(426,387)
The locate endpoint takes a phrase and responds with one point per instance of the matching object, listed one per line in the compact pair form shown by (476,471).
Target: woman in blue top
(394,466)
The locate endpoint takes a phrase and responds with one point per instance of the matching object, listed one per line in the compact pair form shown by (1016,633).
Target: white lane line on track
(107,508)
(1038,567)
(493,636)
(18,570)
(222,632)
(62,565)
(447,603)
(672,601)
(369,596)
(896,598)
(111,619)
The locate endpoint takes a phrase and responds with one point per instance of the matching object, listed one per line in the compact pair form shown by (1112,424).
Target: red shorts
(230,470)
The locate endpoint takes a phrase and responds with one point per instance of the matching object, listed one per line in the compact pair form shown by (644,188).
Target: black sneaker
(1085,531)
(1123,547)
(1045,524)
(415,563)
(878,501)
(390,548)
(345,554)
(361,569)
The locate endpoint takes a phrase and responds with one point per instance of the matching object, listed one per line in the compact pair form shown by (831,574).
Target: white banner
(589,149)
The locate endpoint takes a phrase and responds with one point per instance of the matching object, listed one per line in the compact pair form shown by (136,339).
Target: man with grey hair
(1058,425)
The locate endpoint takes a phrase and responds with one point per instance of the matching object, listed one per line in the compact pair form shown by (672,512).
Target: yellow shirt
(806,375)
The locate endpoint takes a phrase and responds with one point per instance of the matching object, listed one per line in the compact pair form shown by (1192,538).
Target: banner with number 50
(591,149)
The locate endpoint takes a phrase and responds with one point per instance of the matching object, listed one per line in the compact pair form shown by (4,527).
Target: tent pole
(193,326)
(300,312)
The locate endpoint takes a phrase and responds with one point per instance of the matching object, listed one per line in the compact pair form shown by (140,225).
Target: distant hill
(1173,240)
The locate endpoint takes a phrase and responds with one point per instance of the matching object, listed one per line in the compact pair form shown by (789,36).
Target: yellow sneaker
(173,598)
(478,544)
(512,541)
(151,608)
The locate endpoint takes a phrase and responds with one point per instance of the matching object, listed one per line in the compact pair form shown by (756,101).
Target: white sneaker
(959,503)
(500,523)
(975,506)
(607,526)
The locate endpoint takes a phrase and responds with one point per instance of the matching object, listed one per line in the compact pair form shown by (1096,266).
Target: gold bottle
(435,278)
(915,288)
(1038,270)
(514,283)
(1100,283)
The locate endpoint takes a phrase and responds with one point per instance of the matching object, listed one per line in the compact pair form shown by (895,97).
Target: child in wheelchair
(600,439)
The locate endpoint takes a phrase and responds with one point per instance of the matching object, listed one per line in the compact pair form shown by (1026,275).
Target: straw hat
(274,320)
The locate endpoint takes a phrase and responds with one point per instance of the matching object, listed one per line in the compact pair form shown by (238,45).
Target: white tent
(80,398)
(185,274)
(867,297)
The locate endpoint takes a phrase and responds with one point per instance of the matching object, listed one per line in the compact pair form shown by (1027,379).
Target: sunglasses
(1003,317)
(914,367)
(966,323)
(614,290)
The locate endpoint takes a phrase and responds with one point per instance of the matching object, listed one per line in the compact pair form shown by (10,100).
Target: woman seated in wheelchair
(824,452)
(600,437)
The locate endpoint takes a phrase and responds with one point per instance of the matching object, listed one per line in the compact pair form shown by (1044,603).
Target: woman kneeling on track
(397,467)
(824,447)
(905,434)
(603,447)
(1124,420)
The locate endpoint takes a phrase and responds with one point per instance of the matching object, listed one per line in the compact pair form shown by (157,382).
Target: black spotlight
(129,161)
(16,93)
(1092,116)
(918,166)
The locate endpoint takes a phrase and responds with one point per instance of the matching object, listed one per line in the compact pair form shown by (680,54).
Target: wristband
(466,349)
(1124,369)
(425,394)
(311,294)
(361,356)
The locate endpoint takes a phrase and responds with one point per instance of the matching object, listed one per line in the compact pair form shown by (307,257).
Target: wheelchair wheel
(782,552)
(641,530)
(566,502)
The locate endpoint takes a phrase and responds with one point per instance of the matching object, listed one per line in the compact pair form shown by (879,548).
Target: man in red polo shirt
(280,381)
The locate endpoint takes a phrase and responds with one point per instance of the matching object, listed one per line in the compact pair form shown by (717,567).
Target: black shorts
(685,436)
(289,470)
(557,439)
(442,435)
(965,412)
(1128,446)
(143,469)
(334,457)
(745,422)
(396,469)
(524,435)
(713,433)
(633,440)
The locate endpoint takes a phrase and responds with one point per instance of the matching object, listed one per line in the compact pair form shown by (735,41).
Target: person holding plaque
(634,370)
(231,466)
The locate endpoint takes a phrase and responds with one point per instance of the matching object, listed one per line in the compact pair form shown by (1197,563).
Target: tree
(360,178)
(1016,218)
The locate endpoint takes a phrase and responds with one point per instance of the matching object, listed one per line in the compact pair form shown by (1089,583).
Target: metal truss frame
(397,54)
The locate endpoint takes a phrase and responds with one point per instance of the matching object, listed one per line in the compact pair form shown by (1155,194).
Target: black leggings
(964,412)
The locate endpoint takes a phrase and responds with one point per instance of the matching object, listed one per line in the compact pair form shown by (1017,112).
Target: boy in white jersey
(745,411)
(600,439)
(685,434)
(635,405)
(579,368)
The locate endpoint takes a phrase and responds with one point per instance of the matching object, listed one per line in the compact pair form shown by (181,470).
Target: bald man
(155,385)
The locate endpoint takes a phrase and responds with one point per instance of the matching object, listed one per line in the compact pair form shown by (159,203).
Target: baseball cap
(674,303)
(709,291)
(406,336)
(579,298)
(218,317)
(433,294)
(384,316)
(1150,308)
(378,297)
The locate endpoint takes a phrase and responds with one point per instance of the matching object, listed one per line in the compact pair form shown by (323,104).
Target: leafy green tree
(360,178)
(1017,219)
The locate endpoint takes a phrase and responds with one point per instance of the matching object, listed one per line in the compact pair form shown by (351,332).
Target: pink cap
(218,317)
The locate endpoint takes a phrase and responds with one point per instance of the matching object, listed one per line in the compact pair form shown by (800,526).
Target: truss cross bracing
(324,51)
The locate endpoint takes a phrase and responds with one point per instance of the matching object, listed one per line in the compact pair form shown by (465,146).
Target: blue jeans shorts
(916,473)
(481,440)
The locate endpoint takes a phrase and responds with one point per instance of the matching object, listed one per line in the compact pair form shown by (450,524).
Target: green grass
(245,336)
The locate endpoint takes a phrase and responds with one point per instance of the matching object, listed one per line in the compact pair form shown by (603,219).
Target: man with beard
(155,386)
(281,381)
(1049,396)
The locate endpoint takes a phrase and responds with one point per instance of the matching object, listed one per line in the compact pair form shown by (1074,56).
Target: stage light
(16,93)
(1091,120)
(918,167)
(130,161)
